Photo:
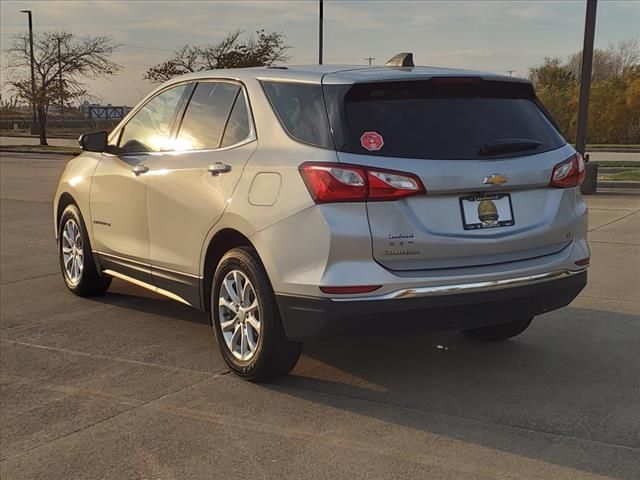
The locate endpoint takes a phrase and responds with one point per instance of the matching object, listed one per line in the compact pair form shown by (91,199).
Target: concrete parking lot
(130,385)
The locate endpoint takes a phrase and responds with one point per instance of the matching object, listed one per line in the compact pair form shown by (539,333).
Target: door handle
(218,168)
(140,169)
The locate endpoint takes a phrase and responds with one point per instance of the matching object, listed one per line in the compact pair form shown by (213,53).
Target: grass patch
(617,163)
(40,149)
(632,175)
(612,145)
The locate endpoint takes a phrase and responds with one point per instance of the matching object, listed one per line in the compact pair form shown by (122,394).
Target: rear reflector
(348,290)
(339,182)
(583,262)
(569,173)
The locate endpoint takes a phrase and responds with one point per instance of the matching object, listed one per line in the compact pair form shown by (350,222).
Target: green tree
(62,65)
(614,107)
(555,85)
(266,48)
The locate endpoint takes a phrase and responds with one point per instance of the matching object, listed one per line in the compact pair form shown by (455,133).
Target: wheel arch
(64,201)
(223,241)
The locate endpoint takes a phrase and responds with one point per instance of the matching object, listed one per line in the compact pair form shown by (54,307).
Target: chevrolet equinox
(302,203)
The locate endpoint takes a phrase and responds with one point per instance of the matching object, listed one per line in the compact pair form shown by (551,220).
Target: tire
(76,258)
(496,333)
(235,329)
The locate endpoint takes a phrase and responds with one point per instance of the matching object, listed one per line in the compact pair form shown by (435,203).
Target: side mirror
(94,142)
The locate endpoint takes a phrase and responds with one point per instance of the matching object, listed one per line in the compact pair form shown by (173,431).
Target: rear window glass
(441,120)
(301,111)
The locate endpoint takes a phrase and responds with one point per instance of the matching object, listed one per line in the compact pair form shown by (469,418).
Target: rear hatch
(484,150)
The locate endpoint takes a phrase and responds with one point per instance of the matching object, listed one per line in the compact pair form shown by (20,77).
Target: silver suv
(300,203)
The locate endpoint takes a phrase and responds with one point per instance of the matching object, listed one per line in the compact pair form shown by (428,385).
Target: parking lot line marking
(129,410)
(427,458)
(416,411)
(106,357)
(13,282)
(613,221)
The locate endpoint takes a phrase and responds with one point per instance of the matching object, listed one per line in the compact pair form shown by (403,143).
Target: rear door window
(440,120)
(206,116)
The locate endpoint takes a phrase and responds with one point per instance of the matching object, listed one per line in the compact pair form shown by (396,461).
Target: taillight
(569,173)
(339,182)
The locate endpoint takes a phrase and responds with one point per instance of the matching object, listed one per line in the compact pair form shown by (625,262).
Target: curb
(616,184)
(11,150)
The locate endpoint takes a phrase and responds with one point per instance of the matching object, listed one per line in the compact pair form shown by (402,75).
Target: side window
(238,125)
(300,109)
(149,130)
(203,123)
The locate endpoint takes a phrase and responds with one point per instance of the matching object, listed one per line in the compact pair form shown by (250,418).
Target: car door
(118,198)
(189,189)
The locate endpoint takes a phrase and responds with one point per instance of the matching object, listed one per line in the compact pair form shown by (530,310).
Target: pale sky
(488,35)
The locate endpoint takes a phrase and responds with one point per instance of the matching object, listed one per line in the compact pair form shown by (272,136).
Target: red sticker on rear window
(371,141)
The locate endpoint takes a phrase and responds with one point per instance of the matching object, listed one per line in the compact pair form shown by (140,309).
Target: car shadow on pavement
(154,304)
(571,381)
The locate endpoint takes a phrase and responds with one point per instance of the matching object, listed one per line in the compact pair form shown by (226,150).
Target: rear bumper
(437,308)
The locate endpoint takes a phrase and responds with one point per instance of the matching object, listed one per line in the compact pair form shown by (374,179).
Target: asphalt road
(130,385)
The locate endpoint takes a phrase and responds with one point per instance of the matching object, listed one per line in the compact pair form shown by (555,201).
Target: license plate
(486,211)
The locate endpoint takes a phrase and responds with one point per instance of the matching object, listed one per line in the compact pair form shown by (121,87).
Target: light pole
(33,75)
(320,28)
(585,75)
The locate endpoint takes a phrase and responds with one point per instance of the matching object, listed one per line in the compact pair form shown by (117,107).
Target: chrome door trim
(148,265)
(489,285)
(146,285)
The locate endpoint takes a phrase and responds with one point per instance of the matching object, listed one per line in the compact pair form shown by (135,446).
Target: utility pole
(510,72)
(585,76)
(320,29)
(60,76)
(34,130)
(369,59)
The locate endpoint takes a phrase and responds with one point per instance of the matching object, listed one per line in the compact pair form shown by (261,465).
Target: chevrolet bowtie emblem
(494,179)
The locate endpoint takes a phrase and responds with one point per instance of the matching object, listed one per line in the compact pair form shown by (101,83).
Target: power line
(510,72)
(369,59)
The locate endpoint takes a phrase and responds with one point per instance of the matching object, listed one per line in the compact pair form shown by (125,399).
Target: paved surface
(130,385)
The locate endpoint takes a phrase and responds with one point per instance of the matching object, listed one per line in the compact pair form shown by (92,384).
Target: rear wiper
(508,145)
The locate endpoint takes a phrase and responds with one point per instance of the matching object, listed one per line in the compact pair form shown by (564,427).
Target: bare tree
(613,61)
(59,77)
(266,48)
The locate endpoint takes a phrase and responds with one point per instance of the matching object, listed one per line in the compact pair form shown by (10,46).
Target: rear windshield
(441,119)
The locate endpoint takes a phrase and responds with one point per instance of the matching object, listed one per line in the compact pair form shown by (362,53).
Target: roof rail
(404,59)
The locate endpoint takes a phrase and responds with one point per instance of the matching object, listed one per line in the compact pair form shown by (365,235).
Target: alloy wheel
(239,315)
(72,253)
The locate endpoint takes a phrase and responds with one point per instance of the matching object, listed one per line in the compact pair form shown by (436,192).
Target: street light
(33,75)
(320,30)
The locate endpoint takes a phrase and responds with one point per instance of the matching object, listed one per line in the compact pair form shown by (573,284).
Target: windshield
(458,118)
